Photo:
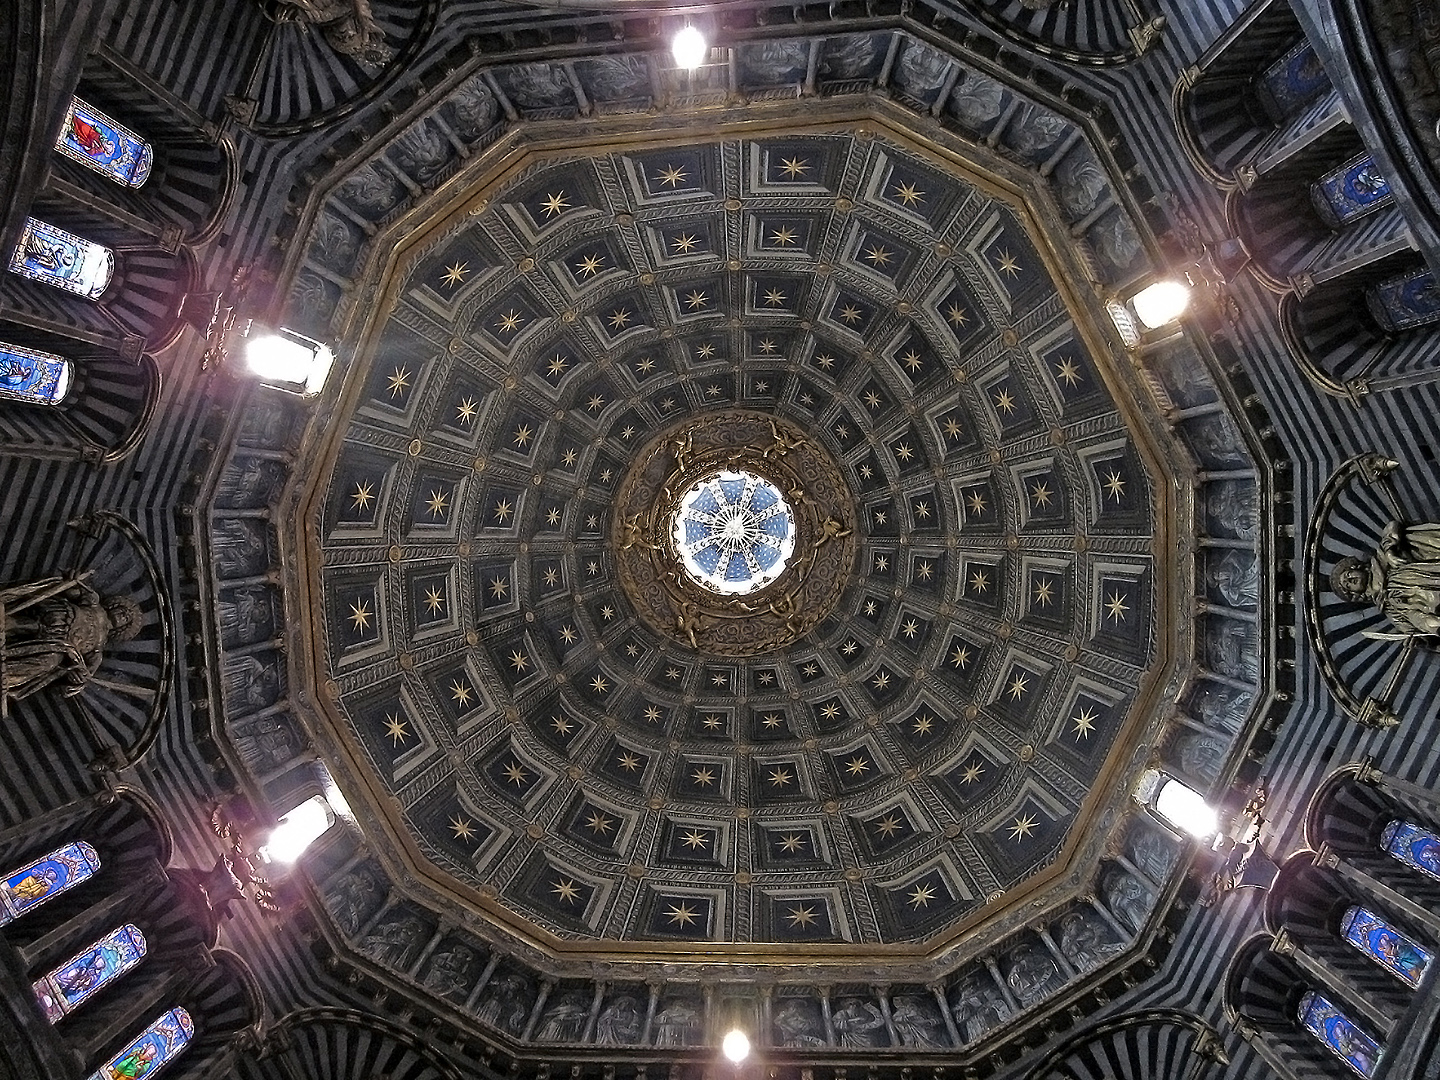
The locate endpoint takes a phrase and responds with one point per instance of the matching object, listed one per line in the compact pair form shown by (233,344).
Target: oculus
(734,532)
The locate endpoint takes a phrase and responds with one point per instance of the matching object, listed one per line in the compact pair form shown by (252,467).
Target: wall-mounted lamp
(689,47)
(735,1045)
(1140,316)
(297,830)
(1183,809)
(287,360)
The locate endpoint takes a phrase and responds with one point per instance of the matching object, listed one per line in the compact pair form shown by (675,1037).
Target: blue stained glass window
(62,259)
(1350,191)
(98,142)
(33,378)
(1388,947)
(83,976)
(1332,1027)
(1292,81)
(1417,848)
(157,1046)
(734,532)
(46,877)
(1405,302)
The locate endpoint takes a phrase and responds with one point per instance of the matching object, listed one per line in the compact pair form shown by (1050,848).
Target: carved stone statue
(1084,941)
(1402,579)
(348,25)
(677,1024)
(56,630)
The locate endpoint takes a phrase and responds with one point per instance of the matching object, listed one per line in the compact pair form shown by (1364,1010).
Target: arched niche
(1263,995)
(345,1044)
(1256,77)
(102,416)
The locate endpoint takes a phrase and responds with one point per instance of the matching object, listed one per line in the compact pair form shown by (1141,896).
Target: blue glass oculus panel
(1350,191)
(157,1046)
(46,877)
(98,142)
(83,976)
(1292,82)
(1321,1018)
(33,378)
(1417,848)
(734,532)
(62,259)
(1387,946)
(1405,302)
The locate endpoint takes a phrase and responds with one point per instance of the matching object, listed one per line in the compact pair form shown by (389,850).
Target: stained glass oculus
(734,532)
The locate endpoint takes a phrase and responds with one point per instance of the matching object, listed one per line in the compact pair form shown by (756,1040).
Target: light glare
(279,358)
(736,1046)
(1161,303)
(689,47)
(297,830)
(1187,810)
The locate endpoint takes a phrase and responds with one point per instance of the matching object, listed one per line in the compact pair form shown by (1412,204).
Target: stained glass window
(98,142)
(1388,947)
(1405,302)
(33,378)
(1350,191)
(82,976)
(46,877)
(734,532)
(157,1046)
(1332,1027)
(62,259)
(1417,848)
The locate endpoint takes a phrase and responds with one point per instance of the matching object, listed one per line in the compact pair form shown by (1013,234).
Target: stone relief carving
(620,1022)
(352,898)
(858,1022)
(917,1022)
(563,1019)
(978,1006)
(392,941)
(677,1023)
(1033,975)
(505,1005)
(1127,898)
(451,971)
(797,1023)
(348,25)
(1086,941)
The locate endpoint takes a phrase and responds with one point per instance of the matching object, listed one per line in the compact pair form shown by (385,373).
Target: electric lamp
(689,48)
(736,1045)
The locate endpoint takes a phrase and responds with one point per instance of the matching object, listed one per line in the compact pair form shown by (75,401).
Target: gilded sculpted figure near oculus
(56,630)
(1402,579)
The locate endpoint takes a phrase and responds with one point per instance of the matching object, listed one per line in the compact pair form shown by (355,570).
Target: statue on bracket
(1402,579)
(55,631)
(348,25)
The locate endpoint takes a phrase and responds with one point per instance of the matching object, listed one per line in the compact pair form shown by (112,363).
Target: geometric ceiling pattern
(925,749)
(575,822)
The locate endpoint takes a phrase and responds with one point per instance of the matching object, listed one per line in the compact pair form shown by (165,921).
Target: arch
(1141,1046)
(306,84)
(372,1045)
(1219,138)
